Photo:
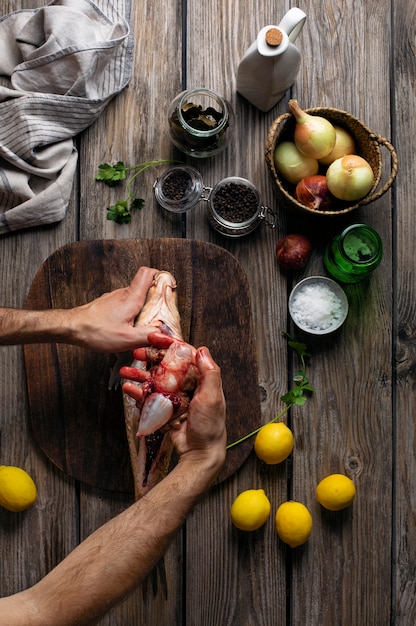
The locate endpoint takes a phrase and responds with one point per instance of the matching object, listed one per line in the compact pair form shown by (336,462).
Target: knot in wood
(353,465)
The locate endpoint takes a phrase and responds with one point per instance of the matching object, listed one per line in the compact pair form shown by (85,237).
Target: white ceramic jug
(271,64)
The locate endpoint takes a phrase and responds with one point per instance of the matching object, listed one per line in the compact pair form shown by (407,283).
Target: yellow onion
(344,144)
(350,177)
(292,164)
(314,135)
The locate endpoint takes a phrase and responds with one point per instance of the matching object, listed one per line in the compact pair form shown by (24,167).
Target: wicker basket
(367,145)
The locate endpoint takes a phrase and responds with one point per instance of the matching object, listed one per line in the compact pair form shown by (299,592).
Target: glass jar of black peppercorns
(179,188)
(234,207)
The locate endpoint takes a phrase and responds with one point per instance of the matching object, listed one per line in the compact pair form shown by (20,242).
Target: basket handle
(393,173)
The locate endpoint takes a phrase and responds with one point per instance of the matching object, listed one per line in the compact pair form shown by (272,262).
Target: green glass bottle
(352,255)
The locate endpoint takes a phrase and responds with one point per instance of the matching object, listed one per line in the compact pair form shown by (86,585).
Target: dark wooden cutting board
(76,420)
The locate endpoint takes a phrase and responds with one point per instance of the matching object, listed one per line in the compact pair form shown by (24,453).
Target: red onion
(313,192)
(293,252)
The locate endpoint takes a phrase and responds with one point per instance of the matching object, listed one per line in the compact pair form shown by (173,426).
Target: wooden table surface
(359,566)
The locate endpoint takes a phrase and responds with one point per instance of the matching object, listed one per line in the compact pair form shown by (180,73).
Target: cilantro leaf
(298,346)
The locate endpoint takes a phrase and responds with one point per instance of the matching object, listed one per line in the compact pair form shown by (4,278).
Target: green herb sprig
(296,395)
(112,175)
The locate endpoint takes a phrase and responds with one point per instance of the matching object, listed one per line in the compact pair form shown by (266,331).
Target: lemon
(293,523)
(335,492)
(250,509)
(17,489)
(273,443)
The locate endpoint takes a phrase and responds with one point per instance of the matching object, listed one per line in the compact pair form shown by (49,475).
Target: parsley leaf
(301,381)
(119,212)
(111,175)
(137,203)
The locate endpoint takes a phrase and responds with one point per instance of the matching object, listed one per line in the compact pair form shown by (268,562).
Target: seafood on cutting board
(167,377)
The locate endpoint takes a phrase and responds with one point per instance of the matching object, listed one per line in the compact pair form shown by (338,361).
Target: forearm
(116,558)
(101,325)
(22,326)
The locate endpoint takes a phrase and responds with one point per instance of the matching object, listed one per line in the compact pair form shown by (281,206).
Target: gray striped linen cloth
(60,65)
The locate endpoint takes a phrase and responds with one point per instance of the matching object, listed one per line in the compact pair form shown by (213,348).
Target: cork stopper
(274,37)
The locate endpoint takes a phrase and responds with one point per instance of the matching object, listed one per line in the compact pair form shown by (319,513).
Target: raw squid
(167,378)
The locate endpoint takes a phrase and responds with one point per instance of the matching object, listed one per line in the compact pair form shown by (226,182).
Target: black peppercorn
(176,185)
(179,189)
(235,202)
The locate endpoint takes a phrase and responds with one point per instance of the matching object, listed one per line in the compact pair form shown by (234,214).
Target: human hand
(107,323)
(201,437)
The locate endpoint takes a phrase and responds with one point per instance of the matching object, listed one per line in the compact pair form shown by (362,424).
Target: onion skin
(314,136)
(350,178)
(292,164)
(344,144)
(293,252)
(313,192)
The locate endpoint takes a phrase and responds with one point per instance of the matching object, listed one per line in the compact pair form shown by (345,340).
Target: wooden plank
(237,577)
(53,520)
(334,444)
(347,427)
(133,130)
(404,537)
(56,500)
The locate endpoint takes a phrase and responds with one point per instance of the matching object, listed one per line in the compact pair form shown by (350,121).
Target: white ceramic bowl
(318,305)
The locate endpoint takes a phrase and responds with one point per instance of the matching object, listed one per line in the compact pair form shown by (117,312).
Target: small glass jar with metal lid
(234,207)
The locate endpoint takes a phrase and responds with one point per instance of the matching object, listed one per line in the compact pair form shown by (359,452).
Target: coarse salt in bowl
(318,305)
